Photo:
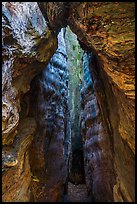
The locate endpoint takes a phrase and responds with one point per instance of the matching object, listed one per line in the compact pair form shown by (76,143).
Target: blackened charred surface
(98,154)
(47,156)
(43,8)
(77,172)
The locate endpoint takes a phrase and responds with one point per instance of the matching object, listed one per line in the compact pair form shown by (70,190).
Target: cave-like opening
(55,101)
(68,113)
(75,71)
(63,100)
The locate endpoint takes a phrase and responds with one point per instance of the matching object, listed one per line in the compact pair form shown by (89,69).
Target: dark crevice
(64,100)
(68,134)
(59,98)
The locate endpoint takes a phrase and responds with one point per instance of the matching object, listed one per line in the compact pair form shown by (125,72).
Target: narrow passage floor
(76,193)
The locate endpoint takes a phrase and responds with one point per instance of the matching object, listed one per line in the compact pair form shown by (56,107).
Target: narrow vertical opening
(75,69)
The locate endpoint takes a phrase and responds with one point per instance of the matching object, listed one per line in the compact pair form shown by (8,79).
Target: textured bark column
(99,170)
(48,156)
(25,40)
(108,30)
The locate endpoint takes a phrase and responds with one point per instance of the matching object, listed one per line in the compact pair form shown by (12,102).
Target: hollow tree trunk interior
(68,102)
